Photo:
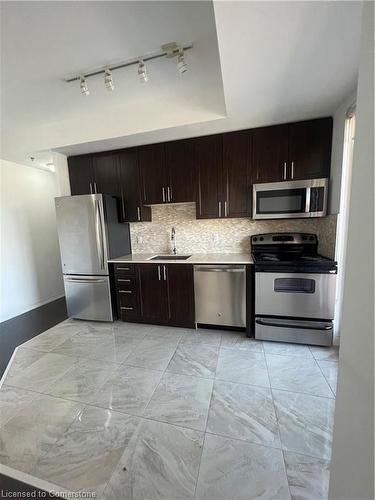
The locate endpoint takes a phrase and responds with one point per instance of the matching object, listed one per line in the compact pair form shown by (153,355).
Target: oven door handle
(264,322)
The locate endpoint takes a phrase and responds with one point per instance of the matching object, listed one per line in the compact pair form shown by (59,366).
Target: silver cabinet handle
(164,273)
(122,268)
(159,275)
(219,208)
(95,189)
(163,194)
(90,188)
(171,196)
(123,207)
(225,209)
(123,280)
(292,170)
(127,308)
(138,213)
(168,194)
(125,291)
(284,170)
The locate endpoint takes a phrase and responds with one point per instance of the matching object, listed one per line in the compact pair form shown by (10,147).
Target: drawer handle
(125,291)
(123,268)
(121,279)
(126,308)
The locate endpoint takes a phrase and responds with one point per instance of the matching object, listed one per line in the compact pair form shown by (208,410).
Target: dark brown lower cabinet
(160,294)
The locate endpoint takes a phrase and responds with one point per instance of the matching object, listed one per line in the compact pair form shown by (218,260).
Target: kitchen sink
(170,257)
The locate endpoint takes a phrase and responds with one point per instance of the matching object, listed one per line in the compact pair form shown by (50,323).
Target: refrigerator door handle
(83,280)
(99,233)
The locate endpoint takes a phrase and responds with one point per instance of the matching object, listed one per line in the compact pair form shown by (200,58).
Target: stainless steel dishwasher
(220,295)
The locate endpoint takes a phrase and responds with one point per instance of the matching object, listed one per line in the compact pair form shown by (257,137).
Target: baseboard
(34,306)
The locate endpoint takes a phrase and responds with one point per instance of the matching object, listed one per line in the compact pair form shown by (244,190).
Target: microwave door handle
(308,200)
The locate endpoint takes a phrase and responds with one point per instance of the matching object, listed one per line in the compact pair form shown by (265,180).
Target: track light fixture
(181,64)
(169,50)
(142,72)
(108,80)
(83,86)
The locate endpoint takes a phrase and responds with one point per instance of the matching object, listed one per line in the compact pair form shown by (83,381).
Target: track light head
(142,72)
(181,64)
(83,86)
(108,80)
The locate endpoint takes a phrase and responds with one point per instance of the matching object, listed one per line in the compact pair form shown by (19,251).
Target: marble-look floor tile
(128,390)
(153,353)
(56,335)
(161,462)
(43,372)
(12,401)
(181,400)
(297,374)
(308,477)
(82,381)
(325,353)
(244,367)
(232,469)
(283,348)
(330,372)
(204,337)
(243,412)
(170,332)
(26,436)
(84,458)
(305,423)
(22,359)
(233,340)
(194,359)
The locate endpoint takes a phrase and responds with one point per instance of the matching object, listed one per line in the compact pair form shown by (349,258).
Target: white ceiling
(253,63)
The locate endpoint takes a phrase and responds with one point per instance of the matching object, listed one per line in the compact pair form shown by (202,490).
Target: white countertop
(197,258)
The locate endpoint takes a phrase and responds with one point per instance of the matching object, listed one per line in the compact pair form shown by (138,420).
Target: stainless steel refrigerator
(89,235)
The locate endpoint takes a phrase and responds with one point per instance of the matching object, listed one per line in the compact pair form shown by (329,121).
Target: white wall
(352,469)
(30,259)
(339,118)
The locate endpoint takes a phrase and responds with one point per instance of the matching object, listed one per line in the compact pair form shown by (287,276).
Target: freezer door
(82,234)
(88,297)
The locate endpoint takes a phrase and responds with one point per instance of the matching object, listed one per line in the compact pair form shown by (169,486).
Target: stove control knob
(261,238)
(255,238)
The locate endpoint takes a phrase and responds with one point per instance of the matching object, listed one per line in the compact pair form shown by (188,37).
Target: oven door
(299,295)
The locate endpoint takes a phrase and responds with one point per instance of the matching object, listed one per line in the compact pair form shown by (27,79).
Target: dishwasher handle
(220,269)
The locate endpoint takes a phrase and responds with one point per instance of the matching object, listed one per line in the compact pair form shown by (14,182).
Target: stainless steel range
(294,289)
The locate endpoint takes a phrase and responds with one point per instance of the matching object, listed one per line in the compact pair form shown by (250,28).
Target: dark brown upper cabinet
(294,151)
(81,174)
(106,174)
(208,160)
(131,208)
(270,154)
(153,174)
(310,149)
(237,174)
(180,171)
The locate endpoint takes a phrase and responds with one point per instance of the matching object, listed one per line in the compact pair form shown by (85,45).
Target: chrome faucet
(173,238)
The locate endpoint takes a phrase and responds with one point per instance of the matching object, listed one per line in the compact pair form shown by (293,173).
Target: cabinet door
(131,208)
(236,174)
(106,177)
(181,307)
(153,293)
(153,174)
(270,154)
(81,174)
(180,171)
(310,145)
(208,160)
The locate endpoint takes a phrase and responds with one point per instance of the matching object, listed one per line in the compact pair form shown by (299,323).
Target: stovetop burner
(297,251)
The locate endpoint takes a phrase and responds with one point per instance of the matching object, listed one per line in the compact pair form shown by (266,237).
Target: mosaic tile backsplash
(218,235)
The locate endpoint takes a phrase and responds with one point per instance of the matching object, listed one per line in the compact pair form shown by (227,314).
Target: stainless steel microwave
(290,199)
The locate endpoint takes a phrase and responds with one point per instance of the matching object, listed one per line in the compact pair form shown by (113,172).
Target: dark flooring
(15,331)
